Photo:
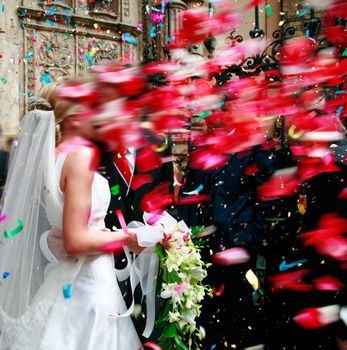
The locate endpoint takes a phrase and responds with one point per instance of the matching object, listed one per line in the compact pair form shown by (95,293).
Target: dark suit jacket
(128,200)
(240,220)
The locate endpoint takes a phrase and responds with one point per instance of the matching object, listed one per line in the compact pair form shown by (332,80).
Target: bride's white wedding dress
(86,320)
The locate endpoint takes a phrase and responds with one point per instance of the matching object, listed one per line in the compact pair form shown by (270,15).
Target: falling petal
(312,318)
(231,256)
(140,180)
(218,292)
(147,159)
(151,345)
(327,283)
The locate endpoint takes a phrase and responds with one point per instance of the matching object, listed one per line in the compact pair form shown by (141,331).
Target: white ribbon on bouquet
(144,269)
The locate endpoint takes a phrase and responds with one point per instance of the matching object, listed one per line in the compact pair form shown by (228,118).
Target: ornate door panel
(66,38)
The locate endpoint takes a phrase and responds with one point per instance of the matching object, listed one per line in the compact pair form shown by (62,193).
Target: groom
(119,168)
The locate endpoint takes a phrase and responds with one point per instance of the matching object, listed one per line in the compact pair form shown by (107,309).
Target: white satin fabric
(144,269)
(88,320)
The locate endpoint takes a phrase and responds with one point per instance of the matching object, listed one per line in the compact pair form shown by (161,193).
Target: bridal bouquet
(180,276)
(170,266)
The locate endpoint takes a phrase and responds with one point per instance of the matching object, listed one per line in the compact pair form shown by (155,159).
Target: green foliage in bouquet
(180,285)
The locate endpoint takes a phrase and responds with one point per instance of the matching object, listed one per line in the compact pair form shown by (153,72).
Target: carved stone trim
(178,5)
(66,30)
(103,7)
(77,19)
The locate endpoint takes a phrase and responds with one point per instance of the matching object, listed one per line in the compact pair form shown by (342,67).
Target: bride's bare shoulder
(80,160)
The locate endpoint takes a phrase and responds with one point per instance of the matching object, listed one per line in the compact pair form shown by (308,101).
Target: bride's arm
(76,183)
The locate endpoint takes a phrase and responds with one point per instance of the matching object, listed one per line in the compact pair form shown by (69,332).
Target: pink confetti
(206,159)
(254,3)
(329,238)
(151,345)
(114,247)
(327,283)
(153,219)
(312,318)
(198,198)
(122,221)
(218,292)
(231,256)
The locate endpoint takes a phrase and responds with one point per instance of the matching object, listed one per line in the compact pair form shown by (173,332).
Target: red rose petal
(312,318)
(140,180)
(218,292)
(327,283)
(147,159)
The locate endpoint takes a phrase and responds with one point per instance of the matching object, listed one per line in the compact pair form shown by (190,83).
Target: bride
(58,299)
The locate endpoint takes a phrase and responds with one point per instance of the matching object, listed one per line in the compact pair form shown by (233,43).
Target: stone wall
(11,67)
(44,41)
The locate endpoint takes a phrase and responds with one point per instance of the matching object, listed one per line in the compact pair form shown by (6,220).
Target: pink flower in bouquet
(180,288)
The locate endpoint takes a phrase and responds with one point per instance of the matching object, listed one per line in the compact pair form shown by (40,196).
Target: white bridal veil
(28,191)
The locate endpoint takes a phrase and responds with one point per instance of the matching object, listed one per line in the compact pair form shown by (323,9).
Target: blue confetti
(214,346)
(28,56)
(45,78)
(67,290)
(90,59)
(161,25)
(67,19)
(196,191)
(284,266)
(308,36)
(303,13)
(210,8)
(128,39)
(3,6)
(51,23)
(339,111)
(5,274)
(52,11)
(23,25)
(22,14)
(167,38)
(218,105)
(152,32)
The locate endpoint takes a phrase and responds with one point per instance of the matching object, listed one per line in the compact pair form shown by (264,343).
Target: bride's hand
(133,243)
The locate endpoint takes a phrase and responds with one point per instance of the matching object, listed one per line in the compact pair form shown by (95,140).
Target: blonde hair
(62,109)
